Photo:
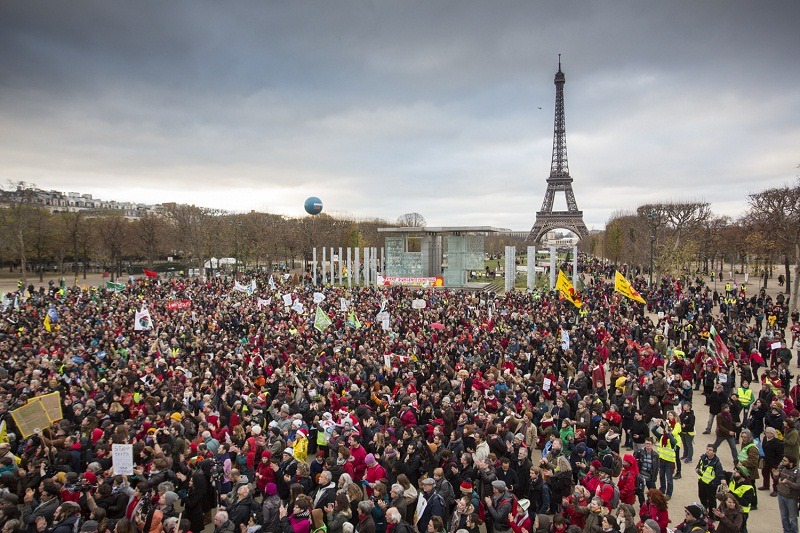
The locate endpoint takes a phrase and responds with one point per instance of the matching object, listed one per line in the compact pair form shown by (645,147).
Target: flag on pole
(717,346)
(252,288)
(114,287)
(47,324)
(150,273)
(564,286)
(353,321)
(624,287)
(142,320)
(271,282)
(321,320)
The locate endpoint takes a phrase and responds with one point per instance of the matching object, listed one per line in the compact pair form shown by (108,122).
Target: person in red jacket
(655,508)
(359,455)
(627,479)
(605,489)
(521,521)
(374,473)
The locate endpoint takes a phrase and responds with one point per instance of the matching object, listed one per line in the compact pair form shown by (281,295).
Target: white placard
(723,378)
(319,297)
(775,346)
(546,384)
(419,303)
(382,316)
(122,459)
(287,300)
(343,304)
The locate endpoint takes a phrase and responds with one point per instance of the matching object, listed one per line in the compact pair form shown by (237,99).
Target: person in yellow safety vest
(746,398)
(742,488)
(665,447)
(749,457)
(728,289)
(677,429)
(711,474)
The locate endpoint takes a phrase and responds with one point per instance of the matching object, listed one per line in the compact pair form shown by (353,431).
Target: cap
(271,489)
(369,459)
(466,486)
(605,470)
(596,464)
(499,484)
(303,432)
(524,504)
(320,453)
(429,481)
(288,451)
(743,470)
(170,497)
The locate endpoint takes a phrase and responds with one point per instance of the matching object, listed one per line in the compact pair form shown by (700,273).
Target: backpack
(614,503)
(641,484)
(616,464)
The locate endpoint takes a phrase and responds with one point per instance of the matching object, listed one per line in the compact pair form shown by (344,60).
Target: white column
(341,262)
(575,267)
(531,281)
(333,270)
(552,267)
(349,267)
(322,264)
(314,266)
(356,271)
(366,267)
(374,273)
(511,267)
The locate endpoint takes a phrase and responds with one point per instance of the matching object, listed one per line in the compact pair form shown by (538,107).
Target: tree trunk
(796,274)
(788,274)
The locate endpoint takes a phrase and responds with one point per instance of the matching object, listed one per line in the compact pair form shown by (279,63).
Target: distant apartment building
(59,202)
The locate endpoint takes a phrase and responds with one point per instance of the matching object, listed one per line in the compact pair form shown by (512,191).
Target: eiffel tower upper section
(559,179)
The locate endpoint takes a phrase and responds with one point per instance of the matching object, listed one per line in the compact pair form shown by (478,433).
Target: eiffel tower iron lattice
(559,180)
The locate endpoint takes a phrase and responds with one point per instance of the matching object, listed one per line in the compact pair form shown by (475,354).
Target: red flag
(150,273)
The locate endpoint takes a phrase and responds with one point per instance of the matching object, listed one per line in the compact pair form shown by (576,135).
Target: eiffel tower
(559,180)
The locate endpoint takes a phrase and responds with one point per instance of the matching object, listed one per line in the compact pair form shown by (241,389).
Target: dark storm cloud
(383,108)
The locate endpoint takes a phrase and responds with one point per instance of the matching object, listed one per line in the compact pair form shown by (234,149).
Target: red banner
(150,273)
(179,304)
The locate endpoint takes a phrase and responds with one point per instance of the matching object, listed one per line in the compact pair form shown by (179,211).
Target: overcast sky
(387,107)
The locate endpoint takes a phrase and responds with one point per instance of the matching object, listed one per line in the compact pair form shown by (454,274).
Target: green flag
(353,321)
(321,320)
(114,287)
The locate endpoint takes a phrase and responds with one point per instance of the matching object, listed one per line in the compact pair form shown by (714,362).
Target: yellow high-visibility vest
(740,491)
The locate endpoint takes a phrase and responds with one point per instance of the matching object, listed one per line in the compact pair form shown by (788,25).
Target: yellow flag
(564,286)
(47,324)
(624,287)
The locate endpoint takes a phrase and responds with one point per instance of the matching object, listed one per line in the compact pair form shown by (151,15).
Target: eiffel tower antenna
(559,179)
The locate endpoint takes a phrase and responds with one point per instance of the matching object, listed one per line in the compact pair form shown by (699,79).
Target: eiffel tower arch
(559,180)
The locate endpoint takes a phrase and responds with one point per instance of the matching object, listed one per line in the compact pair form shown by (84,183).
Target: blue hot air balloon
(313,206)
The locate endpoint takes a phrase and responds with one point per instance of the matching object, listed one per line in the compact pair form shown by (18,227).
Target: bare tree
(18,215)
(149,232)
(411,220)
(113,232)
(778,211)
(194,230)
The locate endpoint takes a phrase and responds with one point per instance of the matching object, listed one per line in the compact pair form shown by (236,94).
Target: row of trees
(688,236)
(33,237)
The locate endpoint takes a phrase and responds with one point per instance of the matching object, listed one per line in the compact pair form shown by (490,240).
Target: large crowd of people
(504,413)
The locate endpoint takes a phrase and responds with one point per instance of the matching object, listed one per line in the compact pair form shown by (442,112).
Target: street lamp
(651,217)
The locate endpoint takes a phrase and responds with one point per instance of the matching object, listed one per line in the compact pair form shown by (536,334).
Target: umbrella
(437,325)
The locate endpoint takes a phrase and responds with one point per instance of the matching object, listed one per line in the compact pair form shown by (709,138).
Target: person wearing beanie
(374,474)
(650,526)
(499,506)
(271,509)
(694,519)
(300,445)
(743,490)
